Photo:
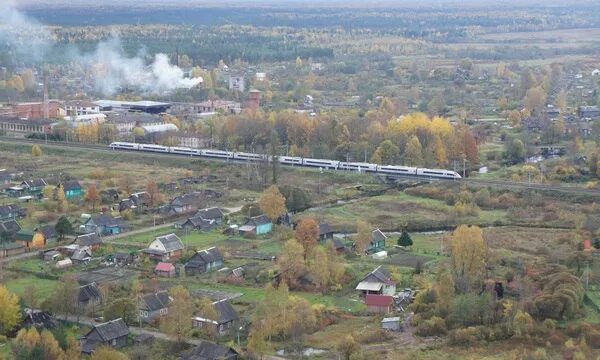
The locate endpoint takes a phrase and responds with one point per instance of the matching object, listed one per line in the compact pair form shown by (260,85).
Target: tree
(445,291)
(535,100)
(52,350)
(63,227)
(105,352)
(386,153)
(61,199)
(48,192)
(272,203)
(347,347)
(515,150)
(405,239)
(126,183)
(207,310)
(561,101)
(514,118)
(307,234)
(124,308)
(92,195)
(439,150)
(178,321)
(469,253)
(30,296)
(363,236)
(73,350)
(153,193)
(523,324)
(10,311)
(64,299)
(291,262)
(274,158)
(256,340)
(318,267)
(413,152)
(36,151)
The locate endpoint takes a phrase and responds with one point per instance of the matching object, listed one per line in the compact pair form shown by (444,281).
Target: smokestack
(46,105)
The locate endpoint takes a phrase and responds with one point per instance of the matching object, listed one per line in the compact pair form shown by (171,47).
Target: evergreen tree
(405,239)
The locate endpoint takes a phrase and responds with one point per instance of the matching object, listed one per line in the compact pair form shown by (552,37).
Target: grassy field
(43,287)
(395,210)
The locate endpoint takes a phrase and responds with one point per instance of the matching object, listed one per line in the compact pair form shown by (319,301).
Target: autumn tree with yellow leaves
(272,203)
(469,255)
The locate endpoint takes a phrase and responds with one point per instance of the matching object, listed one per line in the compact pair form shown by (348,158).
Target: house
(92,240)
(11,248)
(12,212)
(257,225)
(210,351)
(325,232)
(169,246)
(380,304)
(122,258)
(10,227)
(226,319)
(186,203)
(213,213)
(113,333)
(153,306)
(339,246)
(378,281)
(29,239)
(51,255)
(378,241)
(83,255)
(72,189)
(37,318)
(204,261)
(34,185)
(49,233)
(391,324)
(198,223)
(103,224)
(165,269)
(89,295)
(589,112)
(109,195)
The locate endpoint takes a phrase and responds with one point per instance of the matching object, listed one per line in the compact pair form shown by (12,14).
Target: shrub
(432,327)
(482,198)
(464,337)
(593,339)
(549,324)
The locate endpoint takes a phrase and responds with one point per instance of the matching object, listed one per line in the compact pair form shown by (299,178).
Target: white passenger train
(291,160)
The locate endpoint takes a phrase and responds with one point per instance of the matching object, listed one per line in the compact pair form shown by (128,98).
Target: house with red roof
(165,269)
(379,304)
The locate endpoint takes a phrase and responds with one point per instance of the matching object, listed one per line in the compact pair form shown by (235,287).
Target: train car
(396,170)
(184,151)
(153,148)
(248,156)
(321,163)
(438,173)
(217,154)
(358,166)
(290,160)
(124,146)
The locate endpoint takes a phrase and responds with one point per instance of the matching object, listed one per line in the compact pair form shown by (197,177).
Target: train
(290,160)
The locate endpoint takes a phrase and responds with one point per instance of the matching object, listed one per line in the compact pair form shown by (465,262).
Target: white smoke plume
(111,70)
(114,71)
(22,35)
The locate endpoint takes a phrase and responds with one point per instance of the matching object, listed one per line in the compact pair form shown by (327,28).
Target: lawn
(255,295)
(43,287)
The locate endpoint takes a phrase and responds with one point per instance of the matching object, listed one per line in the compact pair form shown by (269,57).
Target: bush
(432,327)
(549,324)
(482,198)
(464,337)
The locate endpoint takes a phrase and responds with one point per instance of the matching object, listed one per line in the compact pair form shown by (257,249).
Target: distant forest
(408,22)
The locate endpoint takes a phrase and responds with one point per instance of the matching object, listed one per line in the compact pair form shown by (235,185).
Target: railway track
(569,189)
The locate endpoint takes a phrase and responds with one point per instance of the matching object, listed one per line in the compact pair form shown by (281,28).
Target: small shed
(391,324)
(51,255)
(165,269)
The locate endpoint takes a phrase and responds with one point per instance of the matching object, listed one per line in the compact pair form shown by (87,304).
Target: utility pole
(464,166)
